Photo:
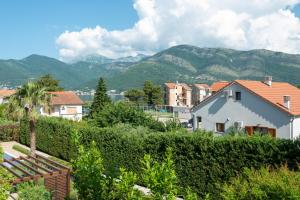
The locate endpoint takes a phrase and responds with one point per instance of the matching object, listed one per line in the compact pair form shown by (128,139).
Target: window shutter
(272,132)
(249,130)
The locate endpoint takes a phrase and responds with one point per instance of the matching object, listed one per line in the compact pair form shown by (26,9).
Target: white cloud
(237,24)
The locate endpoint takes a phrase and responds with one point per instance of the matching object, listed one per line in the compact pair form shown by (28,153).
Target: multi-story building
(199,93)
(178,94)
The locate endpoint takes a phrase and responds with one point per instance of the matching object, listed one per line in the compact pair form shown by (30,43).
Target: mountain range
(182,63)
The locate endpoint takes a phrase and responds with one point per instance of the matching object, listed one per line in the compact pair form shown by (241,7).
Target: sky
(70,30)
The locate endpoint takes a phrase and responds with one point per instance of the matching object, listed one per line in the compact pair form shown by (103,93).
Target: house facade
(267,107)
(65,104)
(199,93)
(178,94)
(4,94)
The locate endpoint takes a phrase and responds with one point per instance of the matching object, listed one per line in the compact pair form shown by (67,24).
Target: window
(220,127)
(238,96)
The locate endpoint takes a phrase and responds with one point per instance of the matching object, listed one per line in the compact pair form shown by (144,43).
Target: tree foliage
(201,160)
(100,99)
(153,93)
(47,81)
(31,191)
(263,184)
(25,104)
(135,95)
(91,183)
(121,112)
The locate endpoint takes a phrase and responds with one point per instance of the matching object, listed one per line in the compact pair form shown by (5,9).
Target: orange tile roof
(216,86)
(170,85)
(65,98)
(6,93)
(202,86)
(274,94)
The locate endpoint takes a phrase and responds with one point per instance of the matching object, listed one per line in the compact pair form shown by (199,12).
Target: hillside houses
(267,107)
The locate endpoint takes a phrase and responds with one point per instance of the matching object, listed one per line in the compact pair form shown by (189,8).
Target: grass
(27,152)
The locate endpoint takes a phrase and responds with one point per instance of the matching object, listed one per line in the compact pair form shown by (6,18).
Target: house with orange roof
(199,93)
(178,94)
(65,104)
(264,107)
(5,94)
(216,86)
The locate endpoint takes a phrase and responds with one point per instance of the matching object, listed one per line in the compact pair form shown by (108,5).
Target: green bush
(53,136)
(5,178)
(201,161)
(122,112)
(263,184)
(30,191)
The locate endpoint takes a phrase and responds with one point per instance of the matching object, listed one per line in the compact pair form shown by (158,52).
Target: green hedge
(202,161)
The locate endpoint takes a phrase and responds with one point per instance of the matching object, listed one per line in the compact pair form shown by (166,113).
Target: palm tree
(26,102)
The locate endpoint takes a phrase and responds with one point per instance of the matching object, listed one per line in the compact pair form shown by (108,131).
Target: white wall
(61,111)
(296,127)
(251,110)
(1,100)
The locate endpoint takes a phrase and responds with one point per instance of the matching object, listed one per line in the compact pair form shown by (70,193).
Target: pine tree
(100,99)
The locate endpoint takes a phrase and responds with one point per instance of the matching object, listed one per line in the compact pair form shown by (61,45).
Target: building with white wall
(65,104)
(267,107)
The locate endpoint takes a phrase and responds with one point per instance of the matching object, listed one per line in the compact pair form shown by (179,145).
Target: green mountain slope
(71,76)
(204,65)
(180,63)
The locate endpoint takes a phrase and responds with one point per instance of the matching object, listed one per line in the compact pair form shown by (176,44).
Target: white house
(4,94)
(268,107)
(65,104)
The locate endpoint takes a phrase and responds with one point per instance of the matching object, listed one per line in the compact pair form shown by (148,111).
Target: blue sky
(33,27)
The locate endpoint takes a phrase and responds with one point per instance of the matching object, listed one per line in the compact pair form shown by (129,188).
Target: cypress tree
(100,99)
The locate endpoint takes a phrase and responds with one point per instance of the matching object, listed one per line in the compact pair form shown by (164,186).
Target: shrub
(5,179)
(30,191)
(122,112)
(263,184)
(201,160)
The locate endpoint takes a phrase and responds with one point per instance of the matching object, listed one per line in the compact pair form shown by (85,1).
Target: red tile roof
(65,98)
(173,85)
(218,86)
(170,85)
(6,93)
(274,94)
(202,86)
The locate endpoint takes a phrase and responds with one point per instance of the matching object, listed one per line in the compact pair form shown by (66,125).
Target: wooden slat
(53,162)
(45,163)
(27,166)
(36,165)
(12,171)
(17,167)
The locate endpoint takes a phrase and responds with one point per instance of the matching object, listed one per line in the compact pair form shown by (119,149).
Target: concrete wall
(296,127)
(251,110)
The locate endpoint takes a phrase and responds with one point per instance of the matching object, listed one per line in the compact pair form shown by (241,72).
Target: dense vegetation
(5,179)
(183,63)
(91,182)
(150,94)
(265,183)
(201,161)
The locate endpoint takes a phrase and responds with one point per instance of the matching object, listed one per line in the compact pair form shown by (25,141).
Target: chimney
(268,80)
(287,101)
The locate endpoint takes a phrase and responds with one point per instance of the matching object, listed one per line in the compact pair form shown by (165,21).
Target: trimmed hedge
(202,161)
